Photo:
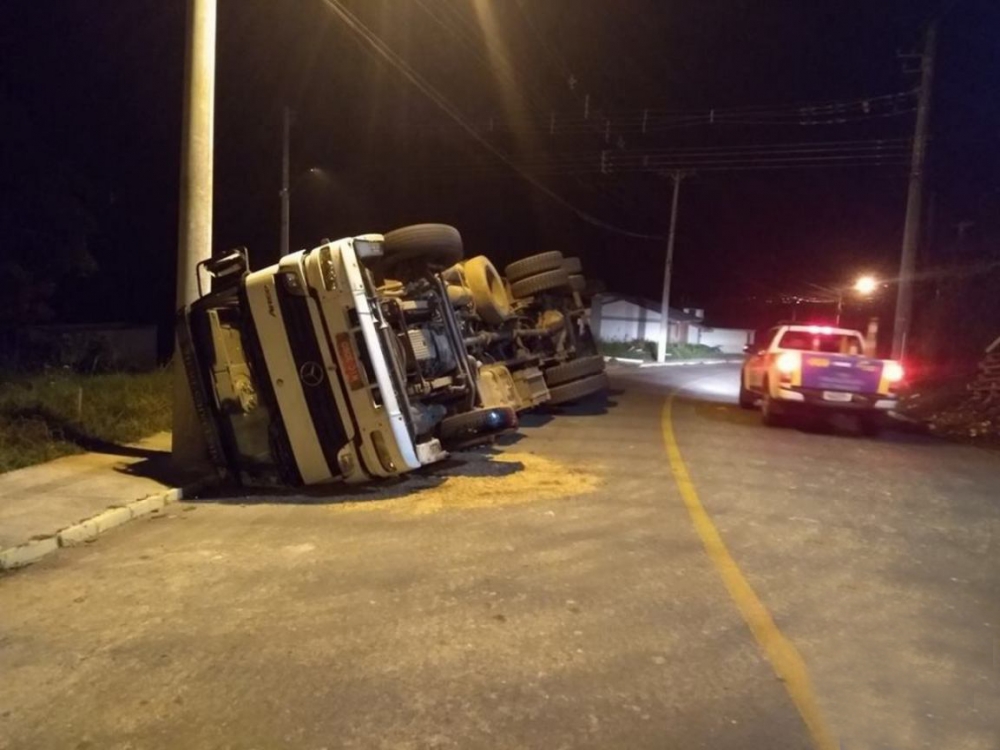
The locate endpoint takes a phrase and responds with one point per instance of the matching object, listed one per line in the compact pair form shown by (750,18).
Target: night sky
(91,113)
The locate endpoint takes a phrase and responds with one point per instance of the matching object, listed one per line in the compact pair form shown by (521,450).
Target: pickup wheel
(577,389)
(747,397)
(871,424)
(540,282)
(574,370)
(770,413)
(432,244)
(534,265)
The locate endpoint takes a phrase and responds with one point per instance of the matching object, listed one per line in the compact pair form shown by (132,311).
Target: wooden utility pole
(664,337)
(915,198)
(195,231)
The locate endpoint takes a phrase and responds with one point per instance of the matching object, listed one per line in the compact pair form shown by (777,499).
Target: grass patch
(635,349)
(646,350)
(47,415)
(692,351)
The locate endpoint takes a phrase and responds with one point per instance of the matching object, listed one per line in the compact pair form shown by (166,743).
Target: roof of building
(676,315)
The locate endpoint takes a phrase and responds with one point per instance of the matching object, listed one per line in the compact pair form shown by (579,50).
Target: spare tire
(489,294)
(540,282)
(436,244)
(533,265)
(572,265)
(577,389)
(574,370)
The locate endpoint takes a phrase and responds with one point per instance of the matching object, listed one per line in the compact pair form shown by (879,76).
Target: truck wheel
(437,244)
(533,265)
(577,389)
(489,294)
(476,427)
(572,266)
(540,282)
(574,370)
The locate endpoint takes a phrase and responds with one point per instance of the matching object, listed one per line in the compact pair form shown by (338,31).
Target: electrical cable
(437,98)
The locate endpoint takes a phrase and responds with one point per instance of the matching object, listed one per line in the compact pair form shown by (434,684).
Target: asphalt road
(555,592)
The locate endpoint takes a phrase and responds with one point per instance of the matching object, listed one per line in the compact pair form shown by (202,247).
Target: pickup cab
(819,370)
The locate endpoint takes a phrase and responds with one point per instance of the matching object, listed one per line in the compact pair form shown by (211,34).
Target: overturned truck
(374,355)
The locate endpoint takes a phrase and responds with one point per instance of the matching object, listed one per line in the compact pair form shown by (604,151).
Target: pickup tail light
(893,372)
(787,363)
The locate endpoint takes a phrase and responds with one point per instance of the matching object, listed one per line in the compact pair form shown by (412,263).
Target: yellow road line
(784,657)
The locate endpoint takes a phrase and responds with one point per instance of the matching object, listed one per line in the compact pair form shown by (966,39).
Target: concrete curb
(683,362)
(675,363)
(89,529)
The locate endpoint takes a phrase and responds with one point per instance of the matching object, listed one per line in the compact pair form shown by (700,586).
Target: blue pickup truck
(819,370)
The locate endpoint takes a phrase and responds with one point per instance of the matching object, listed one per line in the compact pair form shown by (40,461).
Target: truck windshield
(831,343)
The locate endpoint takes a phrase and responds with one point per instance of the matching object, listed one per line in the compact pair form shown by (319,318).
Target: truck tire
(574,370)
(489,294)
(577,389)
(436,244)
(540,282)
(572,265)
(533,265)
(476,427)
(577,283)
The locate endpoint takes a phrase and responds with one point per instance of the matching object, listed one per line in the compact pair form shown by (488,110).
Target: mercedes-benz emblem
(311,374)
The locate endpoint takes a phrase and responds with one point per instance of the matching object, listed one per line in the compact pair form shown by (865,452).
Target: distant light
(866,285)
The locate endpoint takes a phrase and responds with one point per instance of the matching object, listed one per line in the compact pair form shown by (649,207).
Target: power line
(652,119)
(699,168)
(437,98)
(607,162)
(458,29)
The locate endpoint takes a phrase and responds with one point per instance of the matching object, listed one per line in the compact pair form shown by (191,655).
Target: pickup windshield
(831,343)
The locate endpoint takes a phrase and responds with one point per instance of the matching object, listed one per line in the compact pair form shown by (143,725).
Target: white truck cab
(307,372)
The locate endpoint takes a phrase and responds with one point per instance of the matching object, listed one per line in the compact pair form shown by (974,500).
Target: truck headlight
(293,285)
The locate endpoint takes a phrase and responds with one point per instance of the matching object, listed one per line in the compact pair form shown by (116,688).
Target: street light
(864,286)
(286,195)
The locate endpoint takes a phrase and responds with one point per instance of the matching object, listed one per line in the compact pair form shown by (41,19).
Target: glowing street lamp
(865,286)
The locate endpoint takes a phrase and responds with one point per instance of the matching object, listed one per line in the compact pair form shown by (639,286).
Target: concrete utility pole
(286,209)
(664,337)
(914,199)
(195,232)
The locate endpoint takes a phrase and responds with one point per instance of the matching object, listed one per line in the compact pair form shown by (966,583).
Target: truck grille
(303,340)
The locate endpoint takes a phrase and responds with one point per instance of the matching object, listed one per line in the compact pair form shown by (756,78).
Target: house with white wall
(615,317)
